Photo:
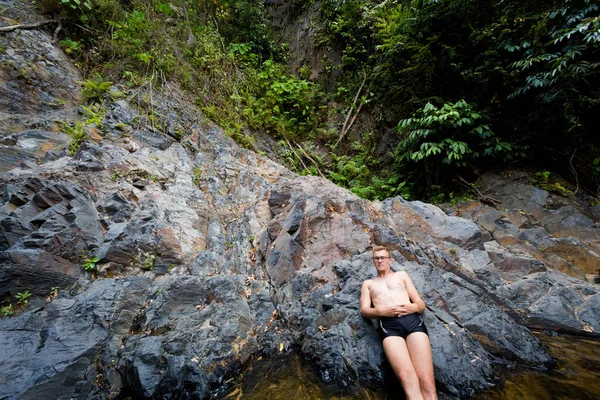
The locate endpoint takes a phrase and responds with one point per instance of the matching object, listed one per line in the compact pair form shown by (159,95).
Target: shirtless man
(393,298)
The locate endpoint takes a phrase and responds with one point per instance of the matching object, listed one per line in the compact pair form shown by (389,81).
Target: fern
(95,87)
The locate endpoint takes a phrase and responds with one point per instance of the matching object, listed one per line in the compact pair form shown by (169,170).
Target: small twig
(574,171)
(296,154)
(26,26)
(311,159)
(152,100)
(353,118)
(56,31)
(484,199)
(346,126)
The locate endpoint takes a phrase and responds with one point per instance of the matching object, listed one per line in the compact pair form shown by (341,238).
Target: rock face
(38,87)
(208,256)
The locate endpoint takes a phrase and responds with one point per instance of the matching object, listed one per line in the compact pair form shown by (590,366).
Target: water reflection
(576,376)
(288,378)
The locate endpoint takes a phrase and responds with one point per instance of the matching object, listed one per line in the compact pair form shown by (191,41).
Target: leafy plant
(78,134)
(197,178)
(455,134)
(71,46)
(115,176)
(452,134)
(360,173)
(542,180)
(23,297)
(94,114)
(77,4)
(148,261)
(95,87)
(89,264)
(284,104)
(558,68)
(7,311)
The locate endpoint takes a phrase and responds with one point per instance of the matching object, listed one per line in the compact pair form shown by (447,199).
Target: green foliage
(163,8)
(71,46)
(197,178)
(77,4)
(148,261)
(89,264)
(78,134)
(532,66)
(455,134)
(351,25)
(356,173)
(243,21)
(542,180)
(23,297)
(132,35)
(268,99)
(542,177)
(95,87)
(94,114)
(283,103)
(451,134)
(7,311)
(217,50)
(596,167)
(438,195)
(558,63)
(115,176)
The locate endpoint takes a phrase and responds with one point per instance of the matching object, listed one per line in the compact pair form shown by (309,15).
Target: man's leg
(419,349)
(396,351)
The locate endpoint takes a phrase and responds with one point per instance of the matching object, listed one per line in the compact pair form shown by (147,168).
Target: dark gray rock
(588,314)
(46,229)
(210,256)
(62,341)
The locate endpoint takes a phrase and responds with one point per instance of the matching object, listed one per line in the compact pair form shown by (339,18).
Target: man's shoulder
(401,274)
(367,282)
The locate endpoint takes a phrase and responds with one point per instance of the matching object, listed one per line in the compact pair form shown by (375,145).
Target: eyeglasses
(380,258)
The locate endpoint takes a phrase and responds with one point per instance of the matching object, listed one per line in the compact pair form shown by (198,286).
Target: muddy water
(287,378)
(576,377)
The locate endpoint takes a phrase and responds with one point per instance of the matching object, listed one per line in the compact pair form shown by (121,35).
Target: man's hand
(404,309)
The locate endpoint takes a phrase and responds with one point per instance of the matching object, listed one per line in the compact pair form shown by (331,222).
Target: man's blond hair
(381,248)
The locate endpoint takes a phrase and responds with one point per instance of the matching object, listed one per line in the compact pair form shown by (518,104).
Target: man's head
(381,258)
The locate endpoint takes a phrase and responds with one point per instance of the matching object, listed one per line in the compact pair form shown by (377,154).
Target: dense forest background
(411,98)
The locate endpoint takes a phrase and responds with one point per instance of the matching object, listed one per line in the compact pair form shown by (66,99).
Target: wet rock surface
(39,87)
(207,256)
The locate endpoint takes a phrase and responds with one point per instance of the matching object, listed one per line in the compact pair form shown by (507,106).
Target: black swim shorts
(401,326)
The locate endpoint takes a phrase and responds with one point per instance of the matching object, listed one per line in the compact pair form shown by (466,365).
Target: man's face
(382,260)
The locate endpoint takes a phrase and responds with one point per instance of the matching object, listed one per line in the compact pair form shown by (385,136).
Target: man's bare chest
(385,288)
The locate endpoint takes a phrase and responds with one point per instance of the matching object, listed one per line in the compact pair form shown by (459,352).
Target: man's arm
(365,301)
(366,308)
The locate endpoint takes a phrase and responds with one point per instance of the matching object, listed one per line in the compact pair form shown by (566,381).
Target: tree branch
(480,196)
(311,159)
(296,154)
(26,26)
(346,127)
